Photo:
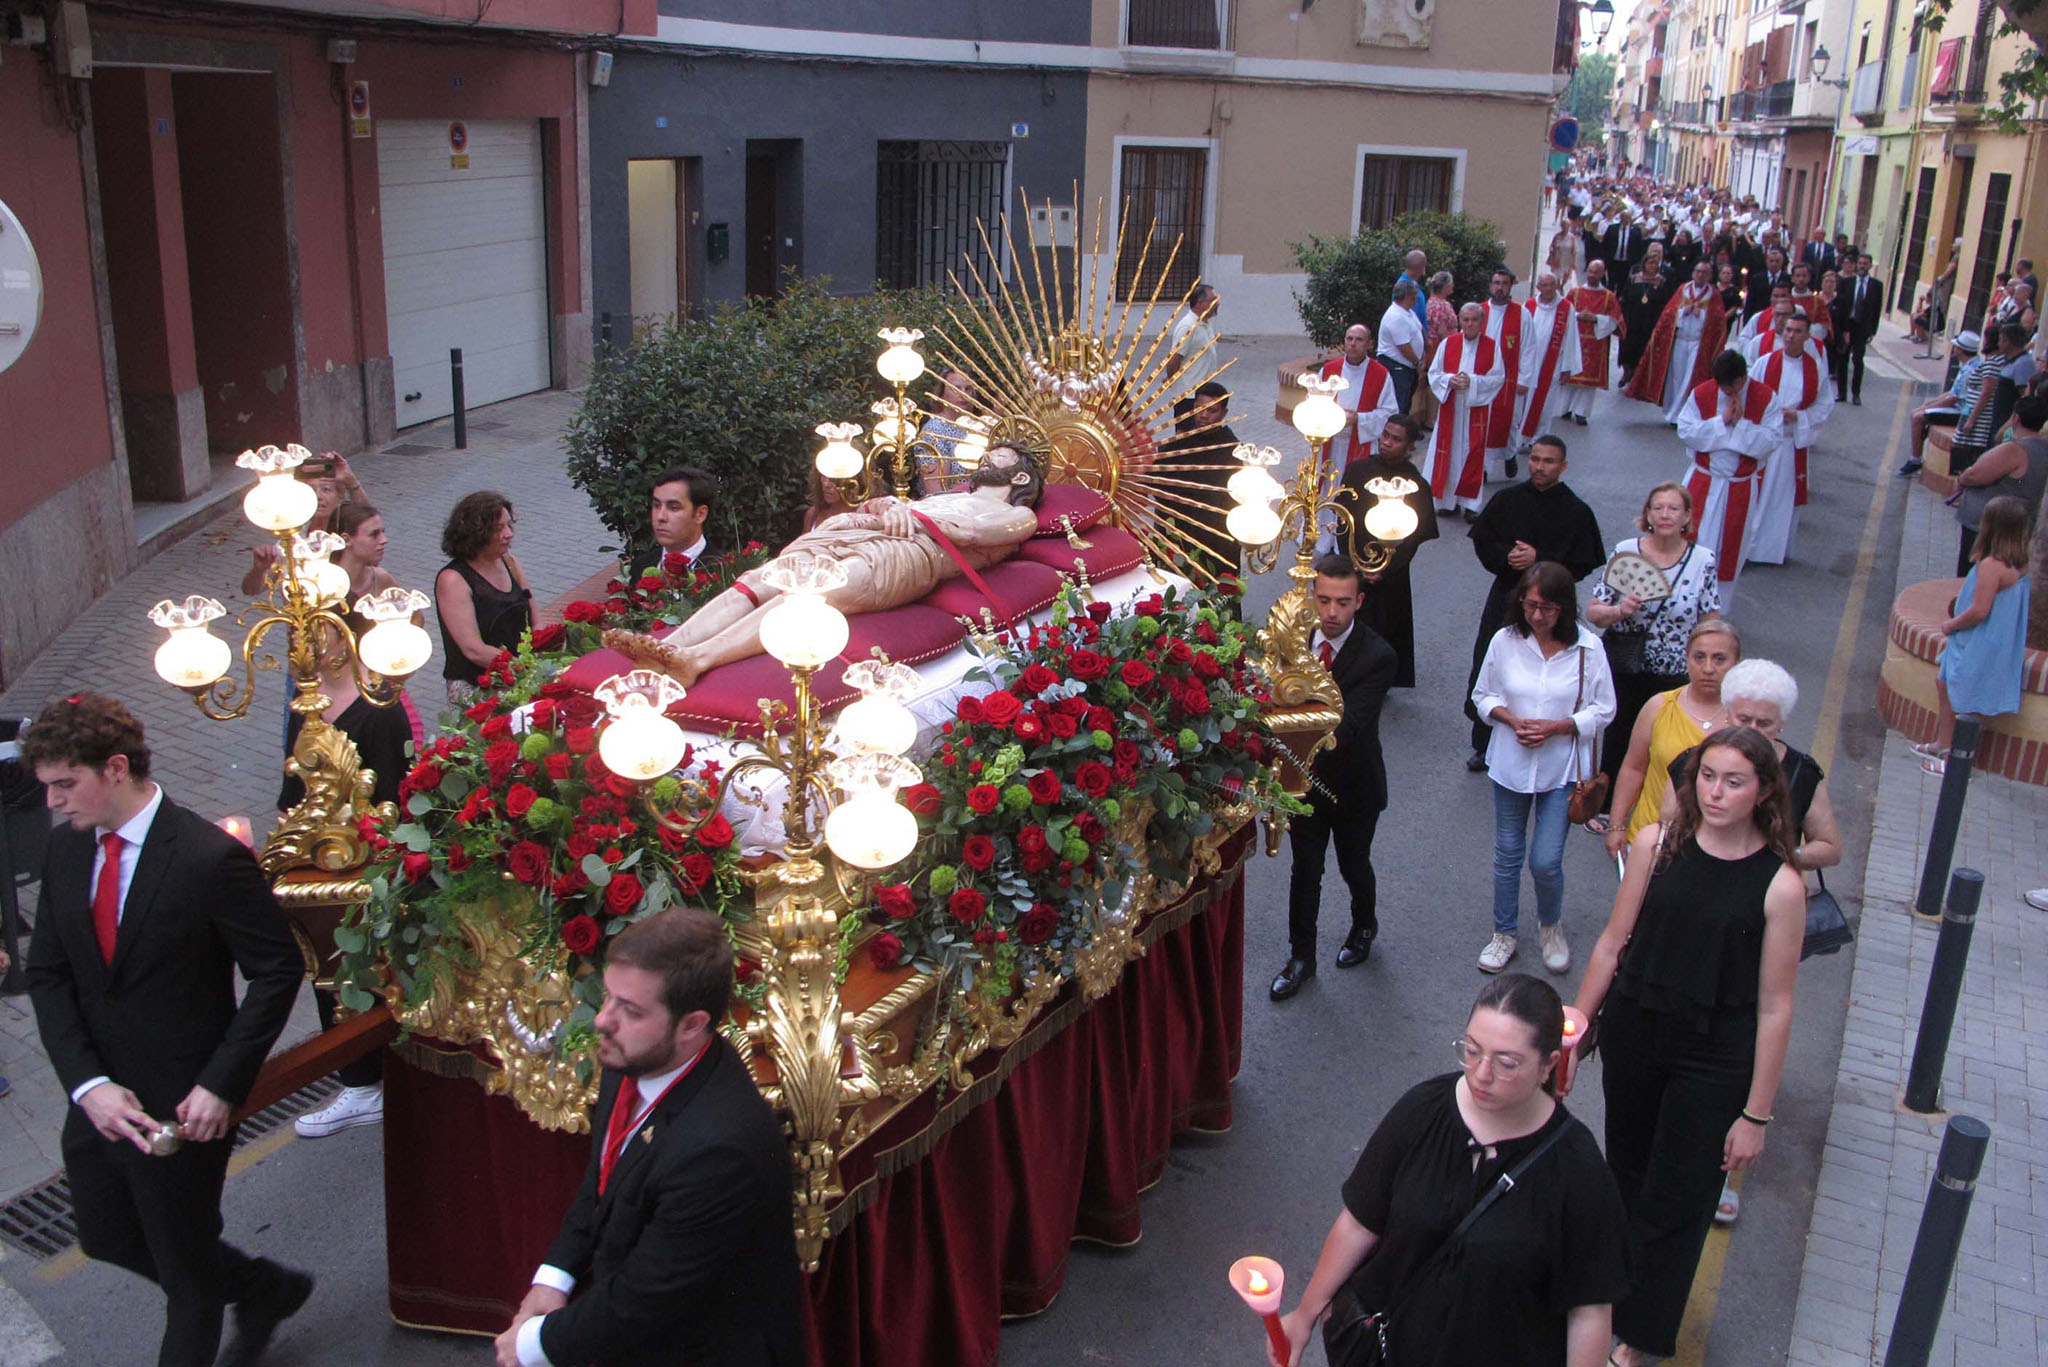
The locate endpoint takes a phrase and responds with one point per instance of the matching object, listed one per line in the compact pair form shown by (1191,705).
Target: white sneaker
(1498,951)
(353,1106)
(1557,955)
(2037,898)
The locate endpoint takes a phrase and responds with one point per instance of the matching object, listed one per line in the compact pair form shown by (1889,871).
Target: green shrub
(739,393)
(1351,279)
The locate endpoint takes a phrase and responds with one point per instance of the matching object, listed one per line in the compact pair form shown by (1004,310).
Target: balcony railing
(1909,77)
(1866,91)
(1958,73)
(1190,24)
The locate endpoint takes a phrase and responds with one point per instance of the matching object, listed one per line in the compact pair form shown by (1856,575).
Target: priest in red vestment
(1807,396)
(1505,324)
(1368,396)
(1598,312)
(1550,336)
(1682,348)
(1731,426)
(1465,375)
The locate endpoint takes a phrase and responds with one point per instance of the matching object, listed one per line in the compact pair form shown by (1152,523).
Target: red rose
(969,709)
(921,798)
(716,833)
(1206,634)
(424,776)
(620,785)
(1031,839)
(1000,708)
(580,611)
(895,901)
(1125,753)
(519,800)
(1179,652)
(885,951)
(698,868)
(978,852)
(560,765)
(458,859)
(1087,665)
(982,798)
(499,758)
(1037,678)
(1037,861)
(1136,673)
(556,689)
(1206,667)
(580,844)
(1094,778)
(1029,728)
(622,894)
(1045,787)
(570,884)
(543,717)
(497,728)
(1038,924)
(581,935)
(1075,707)
(1101,719)
(1090,828)
(481,711)
(580,709)
(528,862)
(1099,611)
(549,637)
(967,906)
(1150,607)
(581,739)
(416,866)
(1062,726)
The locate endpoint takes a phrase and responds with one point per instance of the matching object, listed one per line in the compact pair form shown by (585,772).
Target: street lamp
(1817,67)
(1603,17)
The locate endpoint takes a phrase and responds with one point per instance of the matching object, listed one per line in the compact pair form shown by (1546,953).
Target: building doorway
(774,211)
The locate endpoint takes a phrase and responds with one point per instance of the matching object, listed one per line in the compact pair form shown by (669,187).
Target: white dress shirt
(1515,675)
(133,832)
(1398,328)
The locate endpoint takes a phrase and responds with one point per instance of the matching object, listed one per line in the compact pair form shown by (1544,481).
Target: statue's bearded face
(1007,466)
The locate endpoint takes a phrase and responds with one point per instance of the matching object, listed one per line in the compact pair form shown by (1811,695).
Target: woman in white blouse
(1545,687)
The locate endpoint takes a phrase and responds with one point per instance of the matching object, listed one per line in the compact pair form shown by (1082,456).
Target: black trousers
(1403,376)
(1848,359)
(1672,1092)
(1631,691)
(366,1071)
(1963,552)
(160,1218)
(1310,838)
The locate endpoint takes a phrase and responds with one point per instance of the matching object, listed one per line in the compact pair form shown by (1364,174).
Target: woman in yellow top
(1671,724)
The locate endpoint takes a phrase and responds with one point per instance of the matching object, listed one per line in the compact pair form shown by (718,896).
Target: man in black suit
(1350,780)
(1762,282)
(1200,453)
(1860,304)
(1819,254)
(148,910)
(1622,246)
(677,511)
(679,1247)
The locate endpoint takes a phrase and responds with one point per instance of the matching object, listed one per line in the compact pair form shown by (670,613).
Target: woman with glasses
(481,594)
(1545,689)
(1669,725)
(1533,1279)
(1698,1014)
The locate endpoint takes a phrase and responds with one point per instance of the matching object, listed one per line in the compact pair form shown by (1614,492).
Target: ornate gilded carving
(321,831)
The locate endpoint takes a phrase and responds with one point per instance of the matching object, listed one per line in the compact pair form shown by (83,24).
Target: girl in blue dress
(1987,638)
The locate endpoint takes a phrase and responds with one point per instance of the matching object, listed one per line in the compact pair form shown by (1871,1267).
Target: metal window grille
(1989,234)
(928,197)
(1397,185)
(1175,23)
(1163,190)
(1916,243)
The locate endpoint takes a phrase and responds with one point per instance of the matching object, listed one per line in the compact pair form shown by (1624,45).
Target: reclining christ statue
(894,553)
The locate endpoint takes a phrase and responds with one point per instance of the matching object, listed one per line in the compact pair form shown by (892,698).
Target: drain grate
(39,1222)
(410,448)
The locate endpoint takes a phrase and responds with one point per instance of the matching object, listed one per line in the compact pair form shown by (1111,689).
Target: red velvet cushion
(1077,501)
(1020,586)
(1111,551)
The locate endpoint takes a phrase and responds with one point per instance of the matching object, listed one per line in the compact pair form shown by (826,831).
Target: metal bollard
(1935,1245)
(1948,815)
(455,388)
(604,332)
(1944,989)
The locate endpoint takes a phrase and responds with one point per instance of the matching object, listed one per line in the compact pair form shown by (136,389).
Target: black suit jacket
(162,1017)
(1353,770)
(689,1257)
(650,559)
(1820,256)
(1619,256)
(1863,317)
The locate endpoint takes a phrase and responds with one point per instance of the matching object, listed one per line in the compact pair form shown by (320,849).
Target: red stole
(1502,416)
(1756,398)
(1741,487)
(1548,370)
(1774,374)
(1473,474)
(1647,383)
(1589,306)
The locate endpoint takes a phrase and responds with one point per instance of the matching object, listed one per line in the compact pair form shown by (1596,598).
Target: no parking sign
(359,109)
(458,147)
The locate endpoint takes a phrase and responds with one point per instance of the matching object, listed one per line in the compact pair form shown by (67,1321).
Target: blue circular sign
(1564,134)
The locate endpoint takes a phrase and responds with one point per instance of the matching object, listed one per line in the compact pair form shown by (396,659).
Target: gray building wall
(1022,21)
(826,118)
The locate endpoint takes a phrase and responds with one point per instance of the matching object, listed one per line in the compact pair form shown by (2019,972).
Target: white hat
(1967,341)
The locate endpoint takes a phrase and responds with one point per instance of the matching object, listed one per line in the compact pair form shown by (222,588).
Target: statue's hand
(897,520)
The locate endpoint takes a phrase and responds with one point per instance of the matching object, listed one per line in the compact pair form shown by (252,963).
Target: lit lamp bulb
(870,829)
(1389,519)
(193,657)
(895,423)
(279,501)
(639,741)
(395,646)
(1319,416)
(840,458)
(319,577)
(1253,482)
(1255,524)
(802,629)
(900,362)
(880,720)
(973,444)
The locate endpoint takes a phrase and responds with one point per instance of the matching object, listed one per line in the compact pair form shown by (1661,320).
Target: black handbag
(1827,929)
(1355,1337)
(1628,651)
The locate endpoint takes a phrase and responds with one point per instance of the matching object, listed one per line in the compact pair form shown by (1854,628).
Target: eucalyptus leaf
(596,870)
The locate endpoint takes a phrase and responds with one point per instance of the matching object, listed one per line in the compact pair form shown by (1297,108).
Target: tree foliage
(1591,90)
(1351,279)
(739,393)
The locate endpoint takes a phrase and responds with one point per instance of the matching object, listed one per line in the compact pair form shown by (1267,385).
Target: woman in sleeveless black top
(481,595)
(1698,1015)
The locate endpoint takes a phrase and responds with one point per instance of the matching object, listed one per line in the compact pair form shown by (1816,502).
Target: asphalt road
(1320,1070)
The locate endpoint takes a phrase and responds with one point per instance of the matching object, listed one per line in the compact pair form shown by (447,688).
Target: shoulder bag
(1628,651)
(1589,795)
(1827,927)
(1354,1337)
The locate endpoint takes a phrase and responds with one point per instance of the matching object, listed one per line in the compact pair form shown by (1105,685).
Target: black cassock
(1642,303)
(1389,606)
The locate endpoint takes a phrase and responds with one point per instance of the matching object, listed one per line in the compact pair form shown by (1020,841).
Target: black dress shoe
(1289,980)
(1356,949)
(1910,469)
(1856,400)
(1511,467)
(1476,762)
(258,1316)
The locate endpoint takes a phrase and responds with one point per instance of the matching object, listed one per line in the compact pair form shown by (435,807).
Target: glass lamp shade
(900,364)
(1318,417)
(871,830)
(640,743)
(803,630)
(1255,524)
(327,581)
(193,657)
(1389,519)
(279,502)
(878,723)
(395,649)
(840,458)
(1253,485)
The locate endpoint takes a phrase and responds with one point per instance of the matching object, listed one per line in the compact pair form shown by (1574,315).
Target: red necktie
(1325,654)
(624,1107)
(106,895)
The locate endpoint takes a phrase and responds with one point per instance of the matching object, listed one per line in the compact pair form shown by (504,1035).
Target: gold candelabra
(894,443)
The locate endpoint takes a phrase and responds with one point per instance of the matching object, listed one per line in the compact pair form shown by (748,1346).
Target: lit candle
(1259,1281)
(1568,1060)
(239,828)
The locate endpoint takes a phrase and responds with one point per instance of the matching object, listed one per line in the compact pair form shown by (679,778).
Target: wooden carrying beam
(318,1056)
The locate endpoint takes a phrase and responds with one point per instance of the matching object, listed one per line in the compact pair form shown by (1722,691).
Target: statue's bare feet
(684,665)
(649,652)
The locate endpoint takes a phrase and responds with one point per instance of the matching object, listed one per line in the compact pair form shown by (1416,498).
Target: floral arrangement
(1031,805)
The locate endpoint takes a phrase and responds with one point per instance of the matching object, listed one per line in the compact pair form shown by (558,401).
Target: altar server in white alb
(1799,377)
(1550,352)
(1759,332)
(1368,396)
(1731,426)
(1465,375)
(1770,338)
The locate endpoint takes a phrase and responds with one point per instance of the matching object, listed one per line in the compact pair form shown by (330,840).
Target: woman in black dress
(1712,911)
(481,594)
(1533,1279)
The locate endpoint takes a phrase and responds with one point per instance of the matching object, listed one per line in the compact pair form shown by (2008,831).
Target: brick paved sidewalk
(1879,1157)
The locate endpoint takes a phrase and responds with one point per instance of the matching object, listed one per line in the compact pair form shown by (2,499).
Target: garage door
(465,262)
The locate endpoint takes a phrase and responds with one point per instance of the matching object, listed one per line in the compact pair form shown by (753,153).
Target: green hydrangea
(1017,797)
(544,813)
(943,880)
(667,789)
(1187,740)
(1103,740)
(1148,628)
(1112,810)
(1007,762)
(537,745)
(1075,850)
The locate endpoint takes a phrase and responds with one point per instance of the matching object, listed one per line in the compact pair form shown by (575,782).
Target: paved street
(1320,1070)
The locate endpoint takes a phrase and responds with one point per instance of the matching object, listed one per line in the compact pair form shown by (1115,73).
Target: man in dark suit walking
(1860,300)
(148,910)
(1819,254)
(1350,780)
(679,1247)
(1622,246)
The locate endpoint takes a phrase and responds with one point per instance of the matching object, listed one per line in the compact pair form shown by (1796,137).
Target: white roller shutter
(465,262)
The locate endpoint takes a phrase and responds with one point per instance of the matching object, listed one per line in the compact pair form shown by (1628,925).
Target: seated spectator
(480,595)
(678,509)
(825,500)
(952,400)
(1945,409)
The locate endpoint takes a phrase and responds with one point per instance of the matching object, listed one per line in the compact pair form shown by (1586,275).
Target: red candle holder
(1260,1281)
(1568,1059)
